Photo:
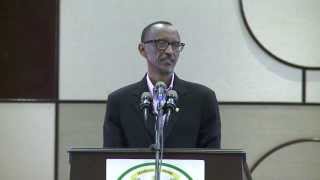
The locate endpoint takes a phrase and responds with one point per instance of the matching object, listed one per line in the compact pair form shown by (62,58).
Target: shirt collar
(151,86)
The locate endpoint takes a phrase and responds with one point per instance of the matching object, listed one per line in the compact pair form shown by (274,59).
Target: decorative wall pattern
(287,29)
(219,51)
(51,67)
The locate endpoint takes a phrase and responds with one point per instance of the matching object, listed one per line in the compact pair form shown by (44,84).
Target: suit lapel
(135,104)
(178,86)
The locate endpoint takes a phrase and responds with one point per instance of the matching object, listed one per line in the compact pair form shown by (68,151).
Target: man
(195,125)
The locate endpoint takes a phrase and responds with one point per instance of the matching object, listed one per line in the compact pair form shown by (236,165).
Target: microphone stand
(158,146)
(161,93)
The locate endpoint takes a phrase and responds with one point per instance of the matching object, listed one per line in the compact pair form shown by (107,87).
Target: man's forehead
(160,26)
(163,31)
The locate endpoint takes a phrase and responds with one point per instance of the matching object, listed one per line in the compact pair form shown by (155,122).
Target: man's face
(162,61)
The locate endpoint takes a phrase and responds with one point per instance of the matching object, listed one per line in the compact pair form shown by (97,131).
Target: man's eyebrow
(166,40)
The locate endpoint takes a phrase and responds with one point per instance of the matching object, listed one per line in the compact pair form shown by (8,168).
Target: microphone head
(146,100)
(146,95)
(172,94)
(160,92)
(160,84)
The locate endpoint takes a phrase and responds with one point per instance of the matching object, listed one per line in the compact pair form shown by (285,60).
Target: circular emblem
(146,171)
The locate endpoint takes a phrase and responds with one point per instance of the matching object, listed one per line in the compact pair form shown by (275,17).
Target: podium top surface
(168,150)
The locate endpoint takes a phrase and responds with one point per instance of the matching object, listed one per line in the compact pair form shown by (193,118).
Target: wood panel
(28,67)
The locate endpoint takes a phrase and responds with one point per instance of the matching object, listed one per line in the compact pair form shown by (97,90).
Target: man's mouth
(167,61)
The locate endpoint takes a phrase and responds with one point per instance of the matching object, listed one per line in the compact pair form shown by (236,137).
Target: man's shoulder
(197,87)
(125,90)
(200,94)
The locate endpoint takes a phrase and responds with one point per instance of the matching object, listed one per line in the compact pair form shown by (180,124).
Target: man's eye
(176,44)
(162,42)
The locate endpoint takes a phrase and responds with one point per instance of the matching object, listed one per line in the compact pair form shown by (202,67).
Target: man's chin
(167,71)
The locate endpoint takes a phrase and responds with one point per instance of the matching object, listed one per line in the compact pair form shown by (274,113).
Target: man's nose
(169,49)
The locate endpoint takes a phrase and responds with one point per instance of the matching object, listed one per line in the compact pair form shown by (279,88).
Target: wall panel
(313,86)
(80,125)
(28,59)
(27,141)
(99,39)
(254,129)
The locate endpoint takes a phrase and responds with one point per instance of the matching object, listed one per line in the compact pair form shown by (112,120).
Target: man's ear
(142,50)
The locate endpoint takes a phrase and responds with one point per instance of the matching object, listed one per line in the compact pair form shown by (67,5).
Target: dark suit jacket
(196,125)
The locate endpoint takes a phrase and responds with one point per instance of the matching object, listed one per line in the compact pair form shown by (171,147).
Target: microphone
(145,105)
(160,94)
(172,98)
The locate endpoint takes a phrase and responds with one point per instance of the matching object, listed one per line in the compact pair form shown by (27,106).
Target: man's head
(160,45)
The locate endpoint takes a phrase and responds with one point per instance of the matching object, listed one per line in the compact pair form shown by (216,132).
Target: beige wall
(254,129)
(27,137)
(27,141)
(99,39)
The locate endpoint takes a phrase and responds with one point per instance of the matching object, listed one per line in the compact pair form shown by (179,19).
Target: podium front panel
(90,164)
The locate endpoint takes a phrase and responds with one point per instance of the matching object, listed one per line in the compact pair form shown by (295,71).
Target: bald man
(196,124)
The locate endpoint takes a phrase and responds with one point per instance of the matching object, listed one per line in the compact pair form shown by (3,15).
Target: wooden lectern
(90,164)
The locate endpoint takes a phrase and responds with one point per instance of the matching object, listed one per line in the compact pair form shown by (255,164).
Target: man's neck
(166,78)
